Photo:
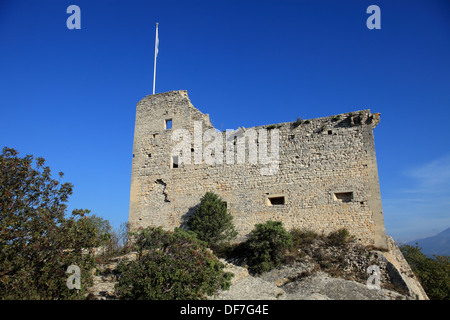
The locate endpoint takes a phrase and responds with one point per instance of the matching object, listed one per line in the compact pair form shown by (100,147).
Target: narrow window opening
(174,162)
(168,124)
(275,201)
(343,196)
(291,137)
(330,132)
(225,204)
(149,155)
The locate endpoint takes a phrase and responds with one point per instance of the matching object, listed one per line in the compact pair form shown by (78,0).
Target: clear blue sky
(70,95)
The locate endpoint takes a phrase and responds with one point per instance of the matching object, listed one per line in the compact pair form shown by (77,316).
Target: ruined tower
(323,178)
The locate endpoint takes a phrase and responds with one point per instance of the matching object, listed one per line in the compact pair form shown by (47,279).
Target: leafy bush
(297,122)
(302,237)
(37,242)
(433,274)
(267,245)
(170,266)
(117,243)
(102,227)
(336,118)
(211,222)
(339,237)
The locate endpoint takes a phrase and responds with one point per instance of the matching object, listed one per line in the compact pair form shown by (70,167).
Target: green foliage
(273,126)
(321,128)
(336,118)
(114,243)
(37,242)
(297,122)
(433,274)
(267,246)
(302,237)
(339,237)
(102,227)
(211,222)
(170,266)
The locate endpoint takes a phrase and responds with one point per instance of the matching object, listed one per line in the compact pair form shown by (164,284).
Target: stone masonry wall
(327,174)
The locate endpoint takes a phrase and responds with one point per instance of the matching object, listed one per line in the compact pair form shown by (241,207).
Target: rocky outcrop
(401,272)
(330,273)
(322,273)
(278,284)
(105,278)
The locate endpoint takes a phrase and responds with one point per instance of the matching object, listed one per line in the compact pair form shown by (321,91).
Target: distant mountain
(438,244)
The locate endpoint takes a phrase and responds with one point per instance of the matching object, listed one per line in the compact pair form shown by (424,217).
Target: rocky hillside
(318,272)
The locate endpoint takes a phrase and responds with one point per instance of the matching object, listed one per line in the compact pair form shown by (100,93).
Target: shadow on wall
(185,217)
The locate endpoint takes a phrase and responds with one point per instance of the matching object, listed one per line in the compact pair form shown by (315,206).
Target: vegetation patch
(170,266)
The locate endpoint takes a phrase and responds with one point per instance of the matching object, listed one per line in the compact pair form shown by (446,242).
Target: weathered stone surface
(326,172)
(251,288)
(105,278)
(323,286)
(305,280)
(401,272)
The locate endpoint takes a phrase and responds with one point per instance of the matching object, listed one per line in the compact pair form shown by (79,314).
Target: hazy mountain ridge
(438,244)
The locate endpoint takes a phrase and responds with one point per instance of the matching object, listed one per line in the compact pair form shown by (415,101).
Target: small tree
(211,222)
(170,266)
(267,246)
(101,226)
(37,242)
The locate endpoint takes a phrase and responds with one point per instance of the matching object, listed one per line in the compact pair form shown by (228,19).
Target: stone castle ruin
(319,174)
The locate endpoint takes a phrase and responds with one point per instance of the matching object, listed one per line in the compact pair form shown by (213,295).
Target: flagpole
(156,53)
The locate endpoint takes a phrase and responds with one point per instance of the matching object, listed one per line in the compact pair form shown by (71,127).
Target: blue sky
(70,95)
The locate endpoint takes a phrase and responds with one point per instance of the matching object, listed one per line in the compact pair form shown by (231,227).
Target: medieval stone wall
(324,176)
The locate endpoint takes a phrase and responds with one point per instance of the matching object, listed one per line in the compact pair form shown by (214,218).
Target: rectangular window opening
(275,201)
(168,124)
(343,196)
(174,162)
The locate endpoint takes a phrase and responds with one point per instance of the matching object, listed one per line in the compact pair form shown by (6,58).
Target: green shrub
(297,122)
(170,266)
(267,246)
(115,244)
(321,128)
(433,274)
(37,242)
(336,118)
(339,237)
(211,222)
(302,237)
